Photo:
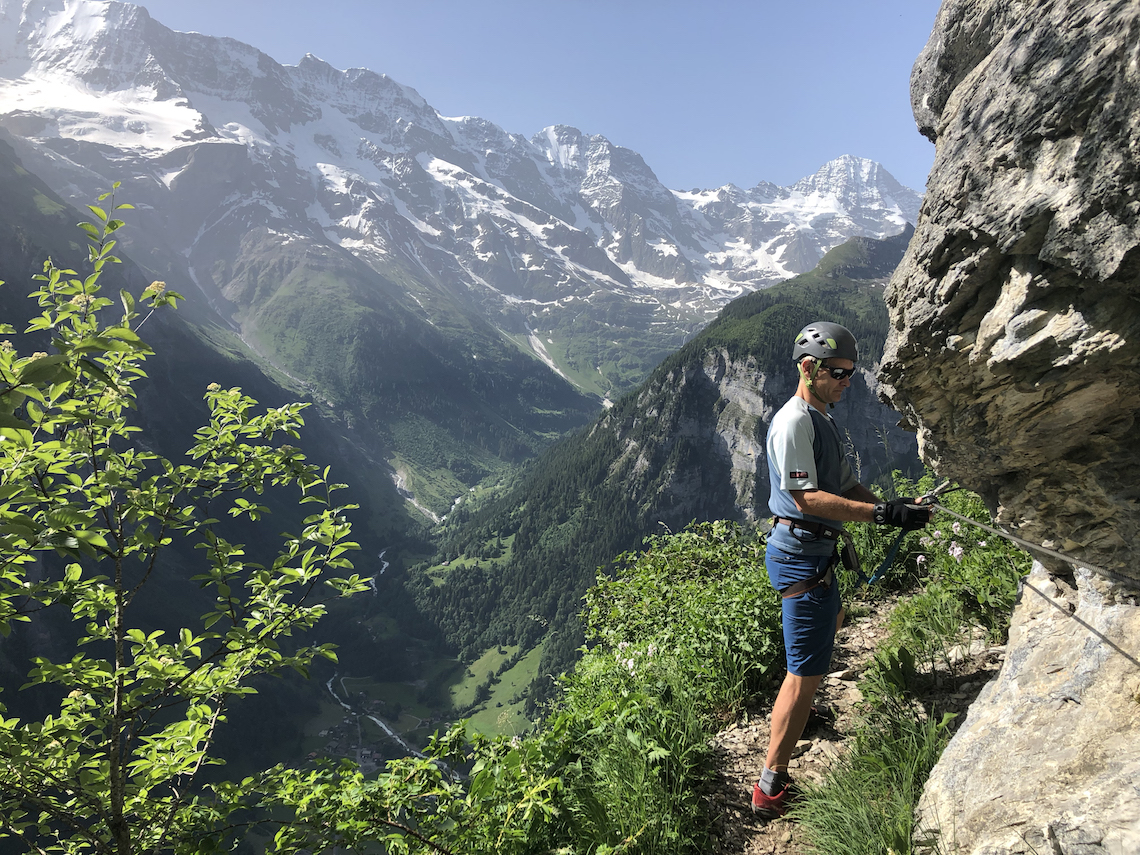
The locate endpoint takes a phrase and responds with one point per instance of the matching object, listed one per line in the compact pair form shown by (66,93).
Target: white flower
(956,551)
(957,526)
(920,559)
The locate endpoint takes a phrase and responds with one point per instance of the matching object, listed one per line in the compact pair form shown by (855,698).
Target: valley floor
(739,749)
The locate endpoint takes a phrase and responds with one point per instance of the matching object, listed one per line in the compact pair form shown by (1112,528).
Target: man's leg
(810,621)
(789,717)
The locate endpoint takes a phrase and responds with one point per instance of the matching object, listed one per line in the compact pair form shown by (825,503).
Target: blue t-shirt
(805,452)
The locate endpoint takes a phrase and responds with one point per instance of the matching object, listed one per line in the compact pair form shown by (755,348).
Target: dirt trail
(739,749)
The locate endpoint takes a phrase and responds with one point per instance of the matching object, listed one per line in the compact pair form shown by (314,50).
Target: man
(813,493)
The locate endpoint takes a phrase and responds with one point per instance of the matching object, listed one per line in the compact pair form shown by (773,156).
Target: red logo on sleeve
(797,474)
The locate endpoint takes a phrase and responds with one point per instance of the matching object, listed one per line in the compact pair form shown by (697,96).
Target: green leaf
(43,369)
(67,517)
(92,370)
(10,421)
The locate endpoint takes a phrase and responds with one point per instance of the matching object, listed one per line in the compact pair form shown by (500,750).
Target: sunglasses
(837,373)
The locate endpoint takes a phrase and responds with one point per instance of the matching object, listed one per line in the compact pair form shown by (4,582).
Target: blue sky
(708,92)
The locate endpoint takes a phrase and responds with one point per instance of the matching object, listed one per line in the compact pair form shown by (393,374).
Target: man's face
(830,389)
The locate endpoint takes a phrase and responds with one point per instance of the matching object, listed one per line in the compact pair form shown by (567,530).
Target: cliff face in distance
(1014,350)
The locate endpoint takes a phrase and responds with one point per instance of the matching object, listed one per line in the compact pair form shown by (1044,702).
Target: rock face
(1015,353)
(1047,760)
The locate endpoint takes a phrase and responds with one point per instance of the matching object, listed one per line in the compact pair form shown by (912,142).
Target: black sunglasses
(837,373)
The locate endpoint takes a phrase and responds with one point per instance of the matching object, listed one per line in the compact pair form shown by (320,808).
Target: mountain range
(465,292)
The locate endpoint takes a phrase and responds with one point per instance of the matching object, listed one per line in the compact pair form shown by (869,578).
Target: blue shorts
(809,618)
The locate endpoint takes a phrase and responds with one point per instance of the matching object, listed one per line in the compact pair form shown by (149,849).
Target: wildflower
(921,559)
(957,526)
(214,387)
(6,346)
(956,551)
(82,301)
(981,543)
(157,288)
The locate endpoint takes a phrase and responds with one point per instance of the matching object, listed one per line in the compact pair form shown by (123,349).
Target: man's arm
(858,505)
(853,506)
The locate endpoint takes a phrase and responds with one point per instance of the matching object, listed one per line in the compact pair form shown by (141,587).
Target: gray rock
(1014,351)
(1048,750)
(1015,343)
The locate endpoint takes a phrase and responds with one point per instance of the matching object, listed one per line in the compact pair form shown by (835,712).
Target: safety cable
(1103,571)
(927,499)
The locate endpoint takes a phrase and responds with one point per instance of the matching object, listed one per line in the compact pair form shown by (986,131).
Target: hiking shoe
(772,807)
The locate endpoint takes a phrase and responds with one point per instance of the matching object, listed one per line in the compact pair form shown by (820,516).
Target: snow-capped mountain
(565,242)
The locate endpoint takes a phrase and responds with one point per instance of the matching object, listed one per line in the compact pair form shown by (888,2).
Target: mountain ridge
(535,230)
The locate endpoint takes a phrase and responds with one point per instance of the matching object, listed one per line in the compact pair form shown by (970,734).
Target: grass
(503,711)
(866,806)
(463,694)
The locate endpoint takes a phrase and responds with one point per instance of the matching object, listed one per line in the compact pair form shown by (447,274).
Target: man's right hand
(901,513)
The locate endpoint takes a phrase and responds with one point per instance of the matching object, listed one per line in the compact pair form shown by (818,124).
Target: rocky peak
(565,232)
(857,182)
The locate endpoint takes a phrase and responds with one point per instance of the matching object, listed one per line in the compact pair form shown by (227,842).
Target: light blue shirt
(805,452)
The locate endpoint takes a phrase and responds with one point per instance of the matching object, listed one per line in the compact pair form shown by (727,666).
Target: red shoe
(772,807)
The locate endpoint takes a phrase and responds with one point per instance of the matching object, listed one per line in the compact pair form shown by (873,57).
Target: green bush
(702,597)
(639,742)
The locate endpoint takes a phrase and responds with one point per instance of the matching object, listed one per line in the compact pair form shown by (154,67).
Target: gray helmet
(825,340)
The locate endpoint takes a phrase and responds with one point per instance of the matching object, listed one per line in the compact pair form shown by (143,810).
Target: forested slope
(513,569)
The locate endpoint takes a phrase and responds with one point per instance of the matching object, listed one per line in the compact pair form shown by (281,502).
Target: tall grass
(639,741)
(866,805)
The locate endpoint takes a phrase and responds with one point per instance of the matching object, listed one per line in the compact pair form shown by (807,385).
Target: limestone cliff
(1014,351)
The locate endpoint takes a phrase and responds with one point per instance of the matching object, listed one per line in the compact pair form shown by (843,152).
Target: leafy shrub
(639,742)
(701,596)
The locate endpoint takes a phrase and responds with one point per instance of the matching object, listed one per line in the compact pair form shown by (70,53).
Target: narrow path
(739,749)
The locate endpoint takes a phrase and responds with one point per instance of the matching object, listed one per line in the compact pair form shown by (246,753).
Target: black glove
(901,513)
